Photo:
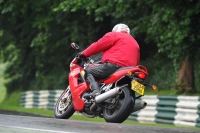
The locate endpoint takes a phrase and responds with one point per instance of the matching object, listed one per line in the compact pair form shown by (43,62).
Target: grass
(2,81)
(169,92)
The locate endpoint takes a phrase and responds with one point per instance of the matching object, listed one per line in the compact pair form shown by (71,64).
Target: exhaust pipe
(108,94)
(139,106)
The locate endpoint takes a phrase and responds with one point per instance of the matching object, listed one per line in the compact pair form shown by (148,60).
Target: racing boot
(94,86)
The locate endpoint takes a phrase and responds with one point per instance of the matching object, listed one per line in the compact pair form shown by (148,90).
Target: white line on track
(43,130)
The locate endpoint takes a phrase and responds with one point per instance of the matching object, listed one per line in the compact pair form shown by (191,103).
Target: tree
(26,28)
(35,35)
(170,24)
(173,25)
(35,41)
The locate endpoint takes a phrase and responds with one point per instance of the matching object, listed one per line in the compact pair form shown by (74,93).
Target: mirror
(75,46)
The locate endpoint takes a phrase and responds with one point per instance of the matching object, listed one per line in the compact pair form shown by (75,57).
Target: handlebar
(79,55)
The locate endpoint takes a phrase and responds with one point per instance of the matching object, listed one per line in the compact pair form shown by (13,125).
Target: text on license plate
(137,87)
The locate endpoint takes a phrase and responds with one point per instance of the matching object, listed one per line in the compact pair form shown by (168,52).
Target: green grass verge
(2,93)
(2,81)
(168,92)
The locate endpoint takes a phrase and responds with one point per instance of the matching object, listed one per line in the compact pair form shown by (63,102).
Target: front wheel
(64,108)
(122,109)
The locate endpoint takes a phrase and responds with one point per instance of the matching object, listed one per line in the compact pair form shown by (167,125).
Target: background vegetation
(2,86)
(35,39)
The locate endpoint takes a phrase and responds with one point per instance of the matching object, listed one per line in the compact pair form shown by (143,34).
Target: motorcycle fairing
(77,89)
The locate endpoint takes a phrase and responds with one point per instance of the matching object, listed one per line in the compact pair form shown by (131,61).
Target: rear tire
(64,108)
(122,110)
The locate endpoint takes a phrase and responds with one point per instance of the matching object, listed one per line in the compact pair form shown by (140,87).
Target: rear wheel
(64,107)
(122,109)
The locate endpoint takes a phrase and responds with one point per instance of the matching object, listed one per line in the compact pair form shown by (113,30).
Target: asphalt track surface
(28,123)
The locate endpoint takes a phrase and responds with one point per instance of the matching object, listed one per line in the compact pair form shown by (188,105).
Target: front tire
(123,108)
(64,108)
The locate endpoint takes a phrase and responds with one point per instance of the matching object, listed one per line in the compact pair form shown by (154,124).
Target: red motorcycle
(117,97)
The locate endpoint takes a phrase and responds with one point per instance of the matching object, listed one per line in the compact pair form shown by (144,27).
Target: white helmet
(121,28)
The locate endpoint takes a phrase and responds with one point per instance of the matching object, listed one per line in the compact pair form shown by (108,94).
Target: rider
(119,49)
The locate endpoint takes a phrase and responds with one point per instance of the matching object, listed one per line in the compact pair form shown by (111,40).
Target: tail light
(140,75)
(154,87)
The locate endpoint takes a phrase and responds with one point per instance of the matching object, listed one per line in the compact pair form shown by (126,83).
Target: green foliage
(2,81)
(23,29)
(161,74)
(173,26)
(36,43)
(35,35)
(197,75)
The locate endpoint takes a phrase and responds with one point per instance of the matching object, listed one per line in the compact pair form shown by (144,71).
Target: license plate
(137,87)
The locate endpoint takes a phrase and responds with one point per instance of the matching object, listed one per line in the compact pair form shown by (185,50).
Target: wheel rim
(64,102)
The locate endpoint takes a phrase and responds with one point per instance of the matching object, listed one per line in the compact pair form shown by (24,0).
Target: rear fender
(122,72)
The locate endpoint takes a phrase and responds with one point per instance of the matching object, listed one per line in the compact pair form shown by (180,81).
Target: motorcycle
(117,97)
